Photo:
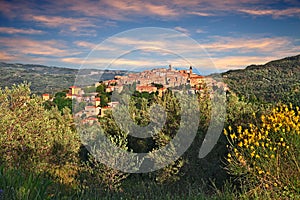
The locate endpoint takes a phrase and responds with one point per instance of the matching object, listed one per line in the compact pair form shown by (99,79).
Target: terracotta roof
(92,118)
(197,76)
(46,94)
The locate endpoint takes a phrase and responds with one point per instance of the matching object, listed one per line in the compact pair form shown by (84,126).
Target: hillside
(275,81)
(46,79)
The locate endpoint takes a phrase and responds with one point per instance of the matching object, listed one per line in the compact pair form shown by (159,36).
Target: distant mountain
(273,82)
(46,79)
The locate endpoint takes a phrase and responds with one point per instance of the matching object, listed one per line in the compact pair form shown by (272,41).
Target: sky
(211,35)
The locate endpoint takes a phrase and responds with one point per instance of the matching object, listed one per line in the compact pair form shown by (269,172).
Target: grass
(18,185)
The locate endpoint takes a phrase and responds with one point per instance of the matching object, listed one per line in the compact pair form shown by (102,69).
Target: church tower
(170,67)
(191,71)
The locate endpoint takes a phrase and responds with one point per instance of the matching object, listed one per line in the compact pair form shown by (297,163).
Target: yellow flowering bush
(265,156)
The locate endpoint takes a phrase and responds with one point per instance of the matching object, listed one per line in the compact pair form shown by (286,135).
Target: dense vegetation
(276,81)
(256,157)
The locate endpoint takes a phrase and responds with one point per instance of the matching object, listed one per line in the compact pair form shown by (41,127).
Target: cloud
(11,30)
(6,57)
(84,44)
(22,46)
(225,52)
(290,12)
(200,31)
(112,63)
(202,14)
(247,44)
(240,62)
(79,26)
(183,30)
(131,10)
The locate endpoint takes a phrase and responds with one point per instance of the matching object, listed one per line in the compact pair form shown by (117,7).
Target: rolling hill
(46,79)
(273,82)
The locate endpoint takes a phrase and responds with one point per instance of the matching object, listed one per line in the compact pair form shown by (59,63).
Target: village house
(46,97)
(91,111)
(146,88)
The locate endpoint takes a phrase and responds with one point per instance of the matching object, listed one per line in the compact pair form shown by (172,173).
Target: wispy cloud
(273,12)
(17,46)
(247,44)
(200,30)
(6,57)
(202,14)
(11,30)
(120,10)
(67,24)
(183,30)
(239,62)
(246,50)
(84,44)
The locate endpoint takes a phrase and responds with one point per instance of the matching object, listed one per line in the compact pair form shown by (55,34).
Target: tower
(190,73)
(170,67)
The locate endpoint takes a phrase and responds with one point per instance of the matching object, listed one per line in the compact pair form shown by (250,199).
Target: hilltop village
(148,81)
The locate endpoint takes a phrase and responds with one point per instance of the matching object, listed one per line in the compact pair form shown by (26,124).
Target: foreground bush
(35,139)
(265,156)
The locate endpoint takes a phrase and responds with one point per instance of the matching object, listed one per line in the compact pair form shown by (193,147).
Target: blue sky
(233,33)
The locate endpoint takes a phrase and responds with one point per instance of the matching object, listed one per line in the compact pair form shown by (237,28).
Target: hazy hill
(49,79)
(274,81)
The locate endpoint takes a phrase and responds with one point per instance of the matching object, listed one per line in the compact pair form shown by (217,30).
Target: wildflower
(281,139)
(225,132)
(272,156)
(260,172)
(275,184)
(239,129)
(232,136)
(240,144)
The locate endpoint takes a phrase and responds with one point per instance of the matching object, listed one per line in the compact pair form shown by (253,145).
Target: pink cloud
(181,29)
(85,44)
(11,30)
(244,44)
(275,13)
(21,46)
(129,9)
(6,57)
